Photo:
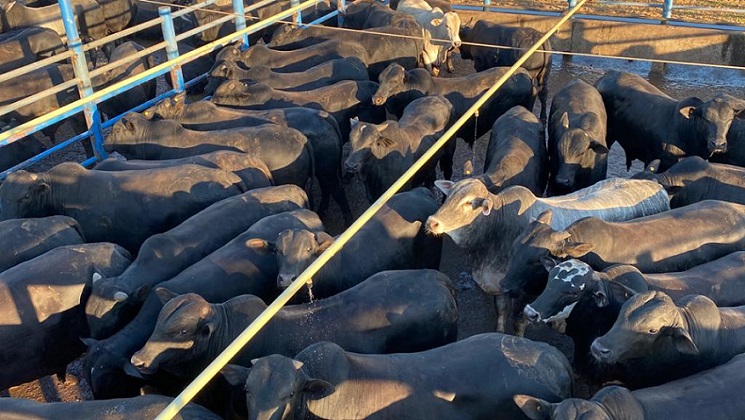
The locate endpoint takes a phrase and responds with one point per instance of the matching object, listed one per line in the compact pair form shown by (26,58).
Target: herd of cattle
(163,253)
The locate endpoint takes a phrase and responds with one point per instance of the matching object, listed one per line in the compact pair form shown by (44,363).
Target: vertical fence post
(298,16)
(169,35)
(667,9)
(240,20)
(341,7)
(80,67)
(487,5)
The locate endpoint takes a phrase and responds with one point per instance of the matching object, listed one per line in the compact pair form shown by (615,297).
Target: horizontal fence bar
(35,65)
(306,276)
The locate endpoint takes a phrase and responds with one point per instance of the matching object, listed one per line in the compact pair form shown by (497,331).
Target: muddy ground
(476,308)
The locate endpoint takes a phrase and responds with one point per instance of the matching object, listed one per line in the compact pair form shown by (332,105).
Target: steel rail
(306,276)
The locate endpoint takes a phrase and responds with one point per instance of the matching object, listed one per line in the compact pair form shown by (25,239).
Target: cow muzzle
(141,364)
(379,100)
(600,352)
(532,315)
(434,226)
(285,280)
(717,147)
(352,167)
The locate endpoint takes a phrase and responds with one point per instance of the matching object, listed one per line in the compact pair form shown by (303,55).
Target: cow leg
(543,96)
(449,61)
(79,126)
(520,322)
(331,186)
(502,304)
(446,160)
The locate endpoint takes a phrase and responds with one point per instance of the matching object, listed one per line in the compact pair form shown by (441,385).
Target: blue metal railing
(83,76)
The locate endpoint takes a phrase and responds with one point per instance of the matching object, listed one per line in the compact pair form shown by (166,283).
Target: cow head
(296,249)
(572,408)
(170,108)
(284,35)
(369,142)
(465,35)
(567,282)
(537,248)
(451,23)
(110,305)
(185,326)
(713,118)
(576,150)
(276,387)
(131,130)
(230,53)
(103,368)
(684,173)
(25,194)
(467,201)
(392,81)
(232,92)
(645,319)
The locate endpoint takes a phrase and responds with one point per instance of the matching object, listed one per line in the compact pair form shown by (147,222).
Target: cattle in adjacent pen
(651,125)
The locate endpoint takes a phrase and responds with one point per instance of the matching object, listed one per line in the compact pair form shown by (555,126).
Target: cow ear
(683,342)
(164,294)
(261,246)
(545,217)
(598,147)
(141,292)
(468,168)
(129,126)
(315,389)
(600,298)
(436,22)
(653,166)
(89,342)
(235,375)
(354,121)
(576,250)
(324,241)
(444,186)
(548,262)
(564,120)
(485,203)
(687,111)
(534,408)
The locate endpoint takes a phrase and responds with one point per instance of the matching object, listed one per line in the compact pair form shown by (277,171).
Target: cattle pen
(731,59)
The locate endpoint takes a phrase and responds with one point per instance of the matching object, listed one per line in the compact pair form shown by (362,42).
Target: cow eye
(653,331)
(183,332)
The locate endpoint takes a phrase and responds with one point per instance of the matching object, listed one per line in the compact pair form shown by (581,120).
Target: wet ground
(476,308)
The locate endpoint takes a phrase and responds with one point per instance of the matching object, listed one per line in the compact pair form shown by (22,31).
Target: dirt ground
(476,308)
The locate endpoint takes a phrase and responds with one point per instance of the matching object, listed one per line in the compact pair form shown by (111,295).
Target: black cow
(590,301)
(114,301)
(343,100)
(519,39)
(141,407)
(286,152)
(693,179)
(356,319)
(24,46)
(42,313)
(136,95)
(405,44)
(253,172)
(664,342)
(394,233)
(651,125)
(398,87)
(89,17)
(118,13)
(242,266)
(321,75)
(470,379)
(318,126)
(292,61)
(578,153)
(382,153)
(121,207)
(516,154)
(366,14)
(735,154)
(694,234)
(25,239)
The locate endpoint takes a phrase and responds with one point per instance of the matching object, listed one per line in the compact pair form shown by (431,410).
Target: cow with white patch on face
(665,341)
(486,224)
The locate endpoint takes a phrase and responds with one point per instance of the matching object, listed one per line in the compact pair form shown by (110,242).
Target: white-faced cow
(442,26)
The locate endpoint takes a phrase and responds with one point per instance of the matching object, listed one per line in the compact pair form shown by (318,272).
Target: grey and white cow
(442,26)
(486,224)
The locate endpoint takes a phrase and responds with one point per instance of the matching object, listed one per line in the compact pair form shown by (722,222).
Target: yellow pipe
(232,350)
(26,127)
